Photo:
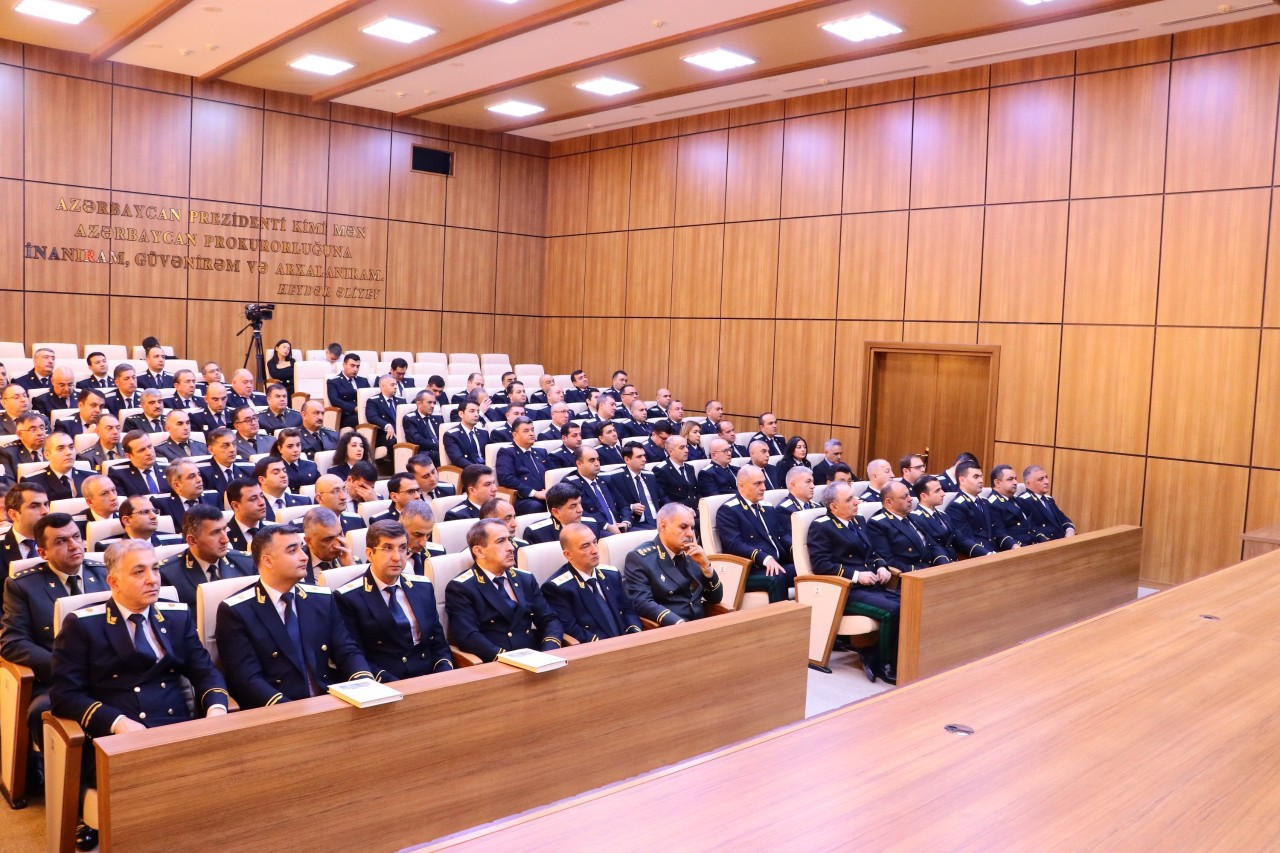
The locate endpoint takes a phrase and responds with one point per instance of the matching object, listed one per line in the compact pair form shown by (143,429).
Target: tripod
(254,351)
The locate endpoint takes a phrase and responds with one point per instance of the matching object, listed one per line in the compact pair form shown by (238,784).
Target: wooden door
(931,400)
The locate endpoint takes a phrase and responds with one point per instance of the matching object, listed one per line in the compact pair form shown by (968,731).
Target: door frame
(876,349)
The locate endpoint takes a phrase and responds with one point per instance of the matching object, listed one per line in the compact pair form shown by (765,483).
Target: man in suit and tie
(769,434)
(1006,511)
(560,413)
(325,541)
(141,520)
(391,617)
(610,447)
(799,481)
(248,511)
(273,477)
(223,467)
(24,505)
(301,471)
(493,607)
(616,383)
(61,479)
(634,424)
(833,454)
(404,383)
(41,373)
(184,393)
(637,490)
(564,503)
(523,467)
(242,393)
(839,546)
(714,411)
(278,415)
(380,410)
(186,488)
(421,427)
(99,377)
(879,473)
(126,382)
(250,441)
(910,469)
(503,434)
(676,477)
(103,501)
(1040,508)
(316,437)
(475,381)
(215,413)
(151,419)
(662,402)
(62,393)
(15,402)
(670,579)
(89,403)
(178,444)
(343,388)
(655,446)
(465,445)
(718,478)
(331,493)
(30,444)
(208,556)
(108,447)
(750,528)
(479,485)
(154,376)
(401,489)
(598,500)
(281,639)
(970,515)
(570,441)
(759,452)
(596,420)
(895,538)
(143,475)
(423,469)
(729,434)
(579,387)
(929,518)
(588,599)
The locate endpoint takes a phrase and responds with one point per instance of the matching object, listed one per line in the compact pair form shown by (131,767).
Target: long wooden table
(460,749)
(1152,727)
(962,611)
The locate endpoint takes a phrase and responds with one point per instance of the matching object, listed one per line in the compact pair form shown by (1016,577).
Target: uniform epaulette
(562,578)
(917,512)
(435,548)
(29,570)
(171,605)
(960,498)
(608,569)
(310,588)
(520,572)
(520,543)
(538,525)
(91,610)
(240,597)
(992,498)
(734,502)
(1025,495)
(881,514)
(464,577)
(645,550)
(587,518)
(352,585)
(824,519)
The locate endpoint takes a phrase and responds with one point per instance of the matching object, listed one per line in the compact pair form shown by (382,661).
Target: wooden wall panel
(1113,260)
(877,158)
(369,252)
(1213,258)
(750,269)
(808,267)
(161,280)
(753,187)
(610,189)
(519,274)
(1028,393)
(813,151)
(466,332)
(1266,438)
(695,362)
(880,93)
(1222,119)
(360,328)
(518,336)
(1124,54)
(1029,152)
(65,123)
(564,282)
(949,150)
(1085,487)
(804,355)
(601,354)
(471,199)
(568,194)
(1247,33)
(522,209)
(247,284)
(45,223)
(649,256)
(226,152)
(653,184)
(701,164)
(960,80)
(416,331)
(696,271)
(1118,142)
(167,319)
(1193,366)
(415,257)
(1264,499)
(873,266)
(1034,68)
(209,320)
(359,170)
(11,97)
(11,241)
(562,342)
(944,264)
(15,319)
(1020,457)
(64,317)
(1101,407)
(940,333)
(295,163)
(605,274)
(415,196)
(850,367)
(148,130)
(646,351)
(748,346)
(470,266)
(1180,539)
(1023,262)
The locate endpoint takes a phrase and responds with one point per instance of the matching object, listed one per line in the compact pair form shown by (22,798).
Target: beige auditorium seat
(208,596)
(947,499)
(523,521)
(370,433)
(401,453)
(292,513)
(866,509)
(337,577)
(542,560)
(452,535)
(369,509)
(450,474)
(439,506)
(555,475)
(707,509)
(614,549)
(356,539)
(68,352)
(443,571)
(826,594)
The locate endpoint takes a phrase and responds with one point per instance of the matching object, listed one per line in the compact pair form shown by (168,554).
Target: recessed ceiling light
(519,109)
(606,86)
(320,64)
(719,59)
(509,2)
(63,13)
(398,30)
(863,27)
(1034,2)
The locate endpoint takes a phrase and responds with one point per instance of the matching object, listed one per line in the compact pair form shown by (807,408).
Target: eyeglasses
(252,419)
(414,491)
(402,550)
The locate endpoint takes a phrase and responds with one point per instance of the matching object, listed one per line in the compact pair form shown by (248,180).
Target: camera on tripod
(258,314)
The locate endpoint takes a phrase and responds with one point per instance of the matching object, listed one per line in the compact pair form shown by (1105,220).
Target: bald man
(62,393)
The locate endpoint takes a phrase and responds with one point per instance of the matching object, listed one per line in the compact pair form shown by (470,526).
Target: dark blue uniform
(183,572)
(561,457)
(743,534)
(668,588)
(653,453)
(777,444)
(678,484)
(629,427)
(264,666)
(301,473)
(823,472)
(937,530)
(289,498)
(318,441)
(269,421)
(525,471)
(381,412)
(342,393)
(387,641)
(598,500)
(790,506)
(247,448)
(484,621)
(194,404)
(948,484)
(717,480)
(1011,525)
(465,509)
(1043,514)
(130,481)
(901,543)
(216,480)
(624,491)
(424,432)
(54,486)
(206,421)
(462,450)
(254,400)
(143,424)
(588,614)
(548,530)
(170,450)
(974,527)
(160,380)
(610,455)
(174,507)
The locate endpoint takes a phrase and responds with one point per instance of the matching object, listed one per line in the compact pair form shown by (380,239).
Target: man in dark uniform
(610,449)
(523,467)
(224,467)
(970,515)
(155,376)
(400,367)
(250,441)
(90,404)
(839,546)
(98,377)
(950,478)
(421,427)
(501,509)
(729,434)
(423,470)
(342,389)
(465,444)
(670,579)
(271,475)
(598,500)
(769,434)
(596,418)
(29,447)
(401,489)
(418,520)
(151,419)
(879,472)
(570,441)
(559,418)
(143,475)
(493,607)
(331,493)
(280,639)
(184,393)
(564,503)
(61,479)
(208,556)
(655,446)
(140,520)
(800,489)
(62,394)
(187,488)
(324,538)
(895,538)
(242,393)
(380,410)
(126,381)
(759,452)
(635,425)
(392,617)
(316,437)
(833,454)
(1040,508)
(617,383)
(637,490)
(248,511)
(41,372)
(278,414)
(718,478)
(929,518)
(24,505)
(215,414)
(1006,512)
(676,478)
(178,444)
(589,599)
(479,485)
(579,387)
(750,528)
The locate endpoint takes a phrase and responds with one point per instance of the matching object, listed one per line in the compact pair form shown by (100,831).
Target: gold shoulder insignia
(351,585)
(562,579)
(464,577)
(240,597)
(92,610)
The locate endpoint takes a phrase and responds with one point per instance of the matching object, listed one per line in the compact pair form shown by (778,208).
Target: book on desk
(533,661)
(365,692)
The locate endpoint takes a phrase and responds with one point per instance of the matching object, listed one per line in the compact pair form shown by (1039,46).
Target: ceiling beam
(628,52)
(810,64)
(533,22)
(143,25)
(324,18)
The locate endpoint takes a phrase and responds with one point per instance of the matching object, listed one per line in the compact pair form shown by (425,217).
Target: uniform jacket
(388,647)
(586,616)
(667,588)
(484,621)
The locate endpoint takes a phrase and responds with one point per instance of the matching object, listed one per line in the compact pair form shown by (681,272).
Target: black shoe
(868,667)
(842,644)
(887,673)
(86,838)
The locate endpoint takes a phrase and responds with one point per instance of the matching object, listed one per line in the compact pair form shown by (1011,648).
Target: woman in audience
(280,365)
(795,454)
(693,434)
(351,449)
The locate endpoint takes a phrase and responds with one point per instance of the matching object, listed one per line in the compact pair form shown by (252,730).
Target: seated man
(423,469)
(502,510)
(1013,528)
(595,421)
(143,475)
(278,414)
(141,520)
(187,489)
(676,478)
(479,485)
(503,434)
(493,607)
(718,478)
(579,387)
(465,444)
(421,427)
(325,542)
(559,417)
(545,383)
(655,446)
(249,440)
(301,471)
(31,432)
(89,404)
(418,520)
(929,518)
(151,418)
(878,474)
(911,468)
(564,502)
(270,473)
(242,393)
(401,489)
(675,416)
(759,452)
(102,499)
(474,381)
(184,393)
(839,546)
(588,599)
(661,402)
(39,376)
(224,467)
(331,493)
(342,389)
(215,413)
(15,402)
(125,379)
(750,528)
(1040,508)
(178,444)
(635,424)
(248,509)
(155,376)
(769,434)
(62,393)
(24,504)
(841,472)
(970,515)
(670,579)
(281,639)
(799,495)
(360,482)
(399,369)
(316,437)
(950,478)
(895,538)
(617,383)
(598,500)
(727,432)
(610,448)
(501,396)
(61,479)
(98,375)
(380,410)
(636,489)
(391,617)
(208,556)
(523,467)
(570,440)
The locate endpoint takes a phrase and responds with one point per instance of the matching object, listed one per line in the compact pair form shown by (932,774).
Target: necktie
(419,563)
(73,584)
(507,592)
(155,426)
(189,504)
(150,479)
(397,613)
(763,524)
(471,434)
(214,572)
(604,504)
(324,566)
(644,497)
(295,637)
(30,545)
(111,454)
(279,503)
(610,623)
(37,456)
(67,484)
(140,641)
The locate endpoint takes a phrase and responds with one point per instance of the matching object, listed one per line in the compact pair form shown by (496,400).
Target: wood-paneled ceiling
(488,51)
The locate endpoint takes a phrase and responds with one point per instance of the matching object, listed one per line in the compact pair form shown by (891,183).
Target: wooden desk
(962,611)
(1264,540)
(1146,728)
(460,749)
